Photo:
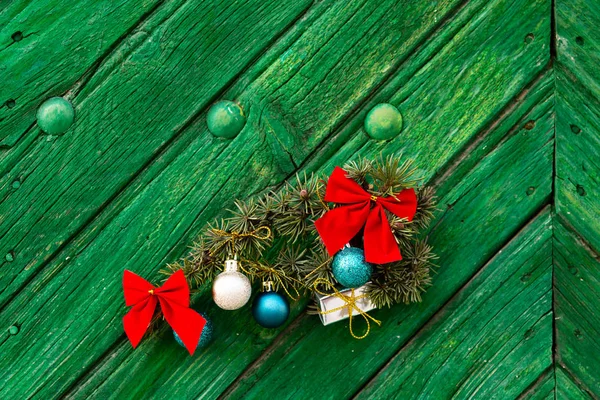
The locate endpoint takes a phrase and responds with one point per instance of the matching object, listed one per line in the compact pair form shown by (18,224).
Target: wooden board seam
(540,379)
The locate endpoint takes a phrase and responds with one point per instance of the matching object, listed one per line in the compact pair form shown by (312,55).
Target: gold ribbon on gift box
(349,304)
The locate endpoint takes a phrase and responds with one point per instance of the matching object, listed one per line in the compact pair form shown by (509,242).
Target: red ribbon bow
(359,208)
(174,299)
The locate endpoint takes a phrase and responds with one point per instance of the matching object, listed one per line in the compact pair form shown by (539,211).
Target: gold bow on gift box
(349,305)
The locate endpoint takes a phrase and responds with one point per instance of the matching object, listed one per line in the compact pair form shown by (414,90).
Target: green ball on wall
(55,116)
(225,119)
(383,122)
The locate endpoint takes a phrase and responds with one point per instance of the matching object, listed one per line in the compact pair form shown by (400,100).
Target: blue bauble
(270,309)
(350,268)
(205,337)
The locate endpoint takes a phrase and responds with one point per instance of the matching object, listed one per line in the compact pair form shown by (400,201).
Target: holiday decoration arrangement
(351,241)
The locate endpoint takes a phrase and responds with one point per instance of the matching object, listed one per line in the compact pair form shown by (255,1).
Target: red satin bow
(174,299)
(359,208)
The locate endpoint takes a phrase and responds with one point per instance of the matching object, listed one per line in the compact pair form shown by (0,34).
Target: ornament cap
(231,265)
(268,286)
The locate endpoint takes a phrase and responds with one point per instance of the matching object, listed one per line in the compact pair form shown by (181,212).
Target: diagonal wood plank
(567,389)
(543,388)
(494,337)
(577,166)
(120,368)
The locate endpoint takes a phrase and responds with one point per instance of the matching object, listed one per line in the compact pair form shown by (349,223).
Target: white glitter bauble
(231,289)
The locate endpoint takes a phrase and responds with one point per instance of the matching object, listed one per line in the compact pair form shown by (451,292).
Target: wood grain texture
(567,389)
(578,152)
(180,191)
(119,369)
(543,388)
(492,340)
(178,184)
(500,127)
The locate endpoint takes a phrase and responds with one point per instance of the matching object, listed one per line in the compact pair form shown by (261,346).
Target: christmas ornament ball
(231,289)
(205,337)
(225,119)
(350,268)
(270,309)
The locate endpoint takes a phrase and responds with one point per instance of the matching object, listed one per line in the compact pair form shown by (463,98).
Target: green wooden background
(501,104)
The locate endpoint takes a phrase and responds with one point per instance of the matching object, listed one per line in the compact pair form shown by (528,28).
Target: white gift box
(333,302)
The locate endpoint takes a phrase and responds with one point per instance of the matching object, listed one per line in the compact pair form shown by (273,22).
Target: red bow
(359,208)
(174,299)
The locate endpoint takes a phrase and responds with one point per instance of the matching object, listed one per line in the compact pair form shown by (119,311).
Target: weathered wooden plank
(543,388)
(177,189)
(43,52)
(491,200)
(578,42)
(577,305)
(494,337)
(116,374)
(126,122)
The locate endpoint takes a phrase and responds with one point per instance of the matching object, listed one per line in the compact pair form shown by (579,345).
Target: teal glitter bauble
(205,337)
(225,119)
(270,309)
(350,268)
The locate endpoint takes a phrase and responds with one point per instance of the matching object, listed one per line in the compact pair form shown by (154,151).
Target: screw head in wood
(225,119)
(383,122)
(55,116)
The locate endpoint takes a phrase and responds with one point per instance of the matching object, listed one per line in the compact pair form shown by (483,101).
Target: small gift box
(335,307)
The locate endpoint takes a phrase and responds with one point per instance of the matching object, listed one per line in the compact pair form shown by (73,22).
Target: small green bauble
(350,268)
(55,116)
(225,119)
(383,122)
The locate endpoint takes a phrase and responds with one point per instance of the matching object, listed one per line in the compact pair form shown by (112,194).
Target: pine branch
(390,176)
(403,281)
(244,218)
(296,259)
(199,267)
(318,266)
(426,206)
(359,170)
